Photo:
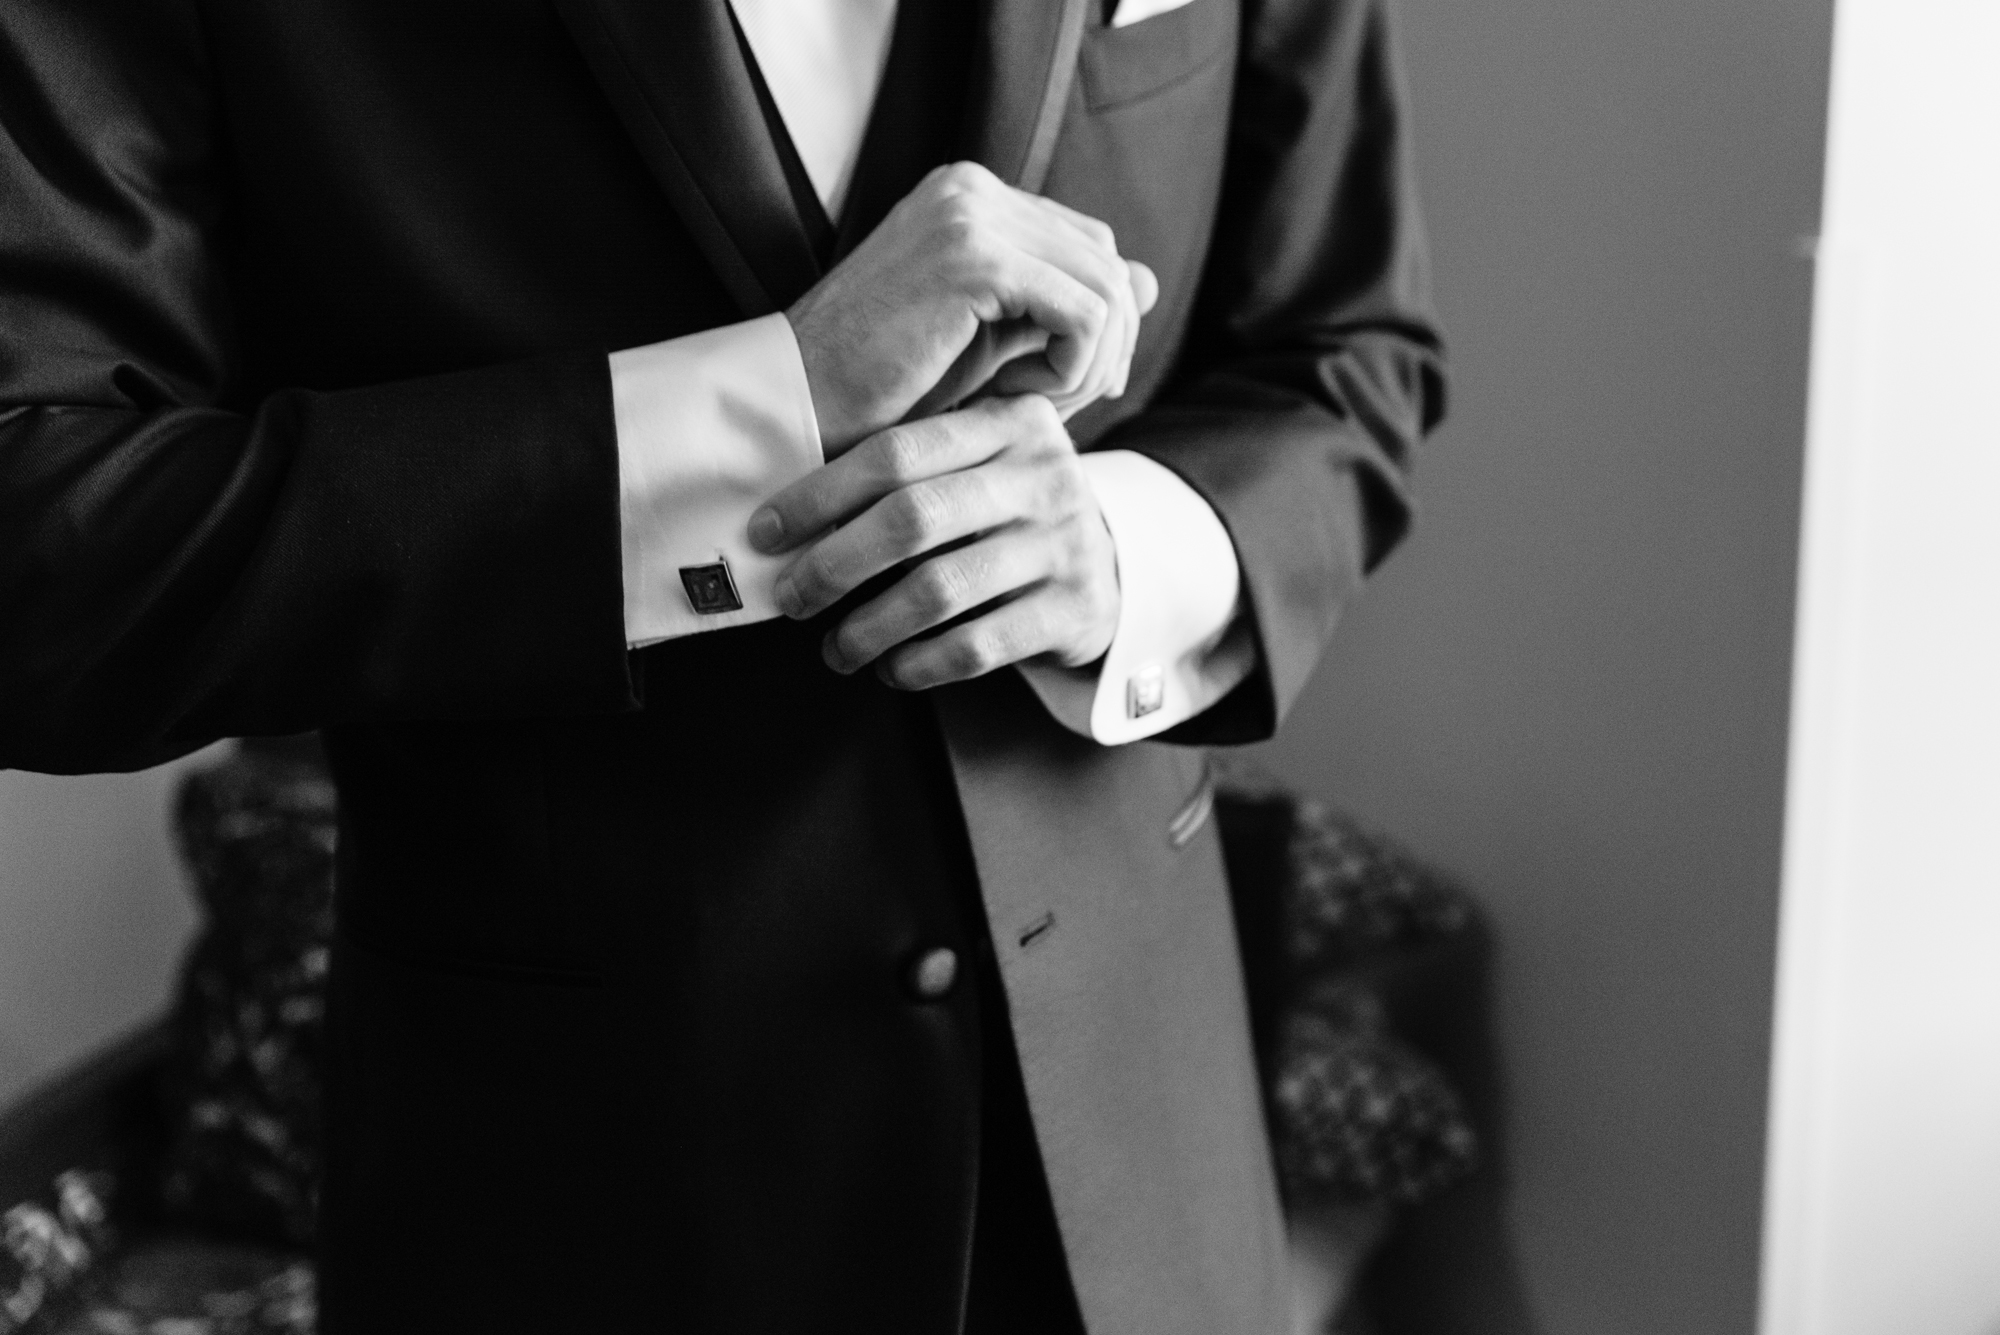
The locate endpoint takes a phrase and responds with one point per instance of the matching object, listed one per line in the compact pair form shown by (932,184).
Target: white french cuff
(1130,12)
(1180,645)
(709,426)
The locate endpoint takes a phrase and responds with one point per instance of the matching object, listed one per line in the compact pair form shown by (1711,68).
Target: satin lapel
(675,76)
(1027,65)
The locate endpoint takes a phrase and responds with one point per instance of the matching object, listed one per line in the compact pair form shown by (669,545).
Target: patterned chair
(166,1187)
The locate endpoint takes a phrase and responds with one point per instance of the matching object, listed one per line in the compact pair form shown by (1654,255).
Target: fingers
(991,348)
(1114,354)
(1085,249)
(1024,285)
(991,508)
(1109,277)
(941,508)
(902,525)
(1013,632)
(906,323)
(1011,256)
(1096,229)
(943,588)
(1140,287)
(1031,259)
(1073,371)
(883,463)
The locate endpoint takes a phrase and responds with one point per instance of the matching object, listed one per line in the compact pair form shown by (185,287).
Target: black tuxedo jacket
(305,423)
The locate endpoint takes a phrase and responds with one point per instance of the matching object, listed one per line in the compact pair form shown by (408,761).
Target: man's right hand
(968,283)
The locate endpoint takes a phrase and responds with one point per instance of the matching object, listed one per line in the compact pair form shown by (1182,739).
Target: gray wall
(1572,687)
(93,912)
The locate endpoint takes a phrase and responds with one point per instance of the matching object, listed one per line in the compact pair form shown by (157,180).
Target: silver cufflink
(710,588)
(1145,691)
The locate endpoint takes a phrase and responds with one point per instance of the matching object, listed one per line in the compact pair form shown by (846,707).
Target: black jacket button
(934,973)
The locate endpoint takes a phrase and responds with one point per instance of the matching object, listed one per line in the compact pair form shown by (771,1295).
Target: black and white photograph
(999,667)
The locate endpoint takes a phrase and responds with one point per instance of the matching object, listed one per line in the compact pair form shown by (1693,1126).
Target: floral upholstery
(1327,914)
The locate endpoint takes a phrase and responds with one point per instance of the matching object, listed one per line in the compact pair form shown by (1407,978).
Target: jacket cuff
(1182,642)
(709,426)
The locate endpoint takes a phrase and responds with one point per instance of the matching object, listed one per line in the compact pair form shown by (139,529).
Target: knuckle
(1066,554)
(900,456)
(977,492)
(943,185)
(919,512)
(1062,492)
(1104,236)
(975,654)
(962,226)
(1079,543)
(1095,309)
(971,257)
(941,589)
(1070,563)
(1107,277)
(963,175)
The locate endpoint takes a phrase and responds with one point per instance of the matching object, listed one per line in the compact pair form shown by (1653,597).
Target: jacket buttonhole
(1037,929)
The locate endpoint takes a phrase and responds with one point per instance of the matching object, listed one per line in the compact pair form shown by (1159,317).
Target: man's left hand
(990,511)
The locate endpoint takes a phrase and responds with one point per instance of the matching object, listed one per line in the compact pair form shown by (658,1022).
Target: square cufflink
(1145,691)
(710,589)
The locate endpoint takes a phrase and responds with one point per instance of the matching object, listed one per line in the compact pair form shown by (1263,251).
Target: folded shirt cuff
(1181,643)
(709,426)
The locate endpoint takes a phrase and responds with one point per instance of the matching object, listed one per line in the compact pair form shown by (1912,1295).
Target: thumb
(1145,287)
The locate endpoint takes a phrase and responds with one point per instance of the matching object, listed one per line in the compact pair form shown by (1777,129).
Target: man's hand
(968,283)
(996,498)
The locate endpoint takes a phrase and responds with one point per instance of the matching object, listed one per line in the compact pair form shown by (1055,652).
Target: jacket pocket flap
(1123,65)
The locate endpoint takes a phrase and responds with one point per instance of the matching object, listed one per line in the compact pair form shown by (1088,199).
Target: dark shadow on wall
(1450,1266)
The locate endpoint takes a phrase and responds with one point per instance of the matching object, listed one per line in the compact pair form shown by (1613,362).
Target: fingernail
(829,650)
(767,530)
(786,595)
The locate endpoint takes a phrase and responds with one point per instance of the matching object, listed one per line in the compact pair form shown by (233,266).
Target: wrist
(842,413)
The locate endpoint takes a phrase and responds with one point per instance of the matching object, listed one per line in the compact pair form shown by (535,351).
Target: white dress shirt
(712,424)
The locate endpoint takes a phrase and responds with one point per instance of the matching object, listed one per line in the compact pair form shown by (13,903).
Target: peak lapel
(676,77)
(1027,65)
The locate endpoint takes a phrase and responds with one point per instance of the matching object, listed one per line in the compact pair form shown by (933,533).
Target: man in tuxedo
(764,502)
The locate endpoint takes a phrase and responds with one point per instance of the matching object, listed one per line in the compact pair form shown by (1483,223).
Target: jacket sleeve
(178,564)
(1313,366)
